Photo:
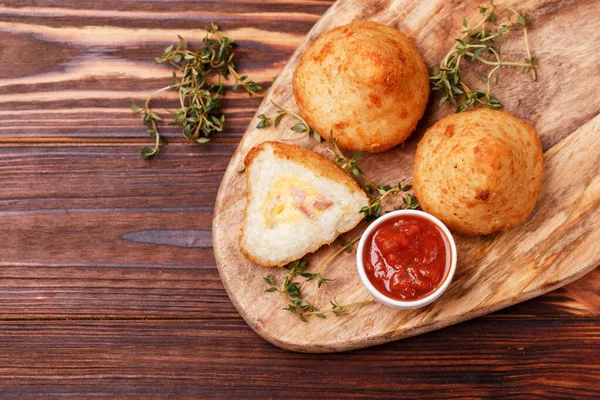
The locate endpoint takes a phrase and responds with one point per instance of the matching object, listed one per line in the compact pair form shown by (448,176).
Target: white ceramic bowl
(388,301)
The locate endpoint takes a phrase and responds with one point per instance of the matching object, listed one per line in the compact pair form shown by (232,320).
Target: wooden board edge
(236,160)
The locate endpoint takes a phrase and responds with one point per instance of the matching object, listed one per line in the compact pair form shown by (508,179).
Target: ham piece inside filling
(320,203)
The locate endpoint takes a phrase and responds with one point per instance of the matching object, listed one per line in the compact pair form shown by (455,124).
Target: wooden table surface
(108,284)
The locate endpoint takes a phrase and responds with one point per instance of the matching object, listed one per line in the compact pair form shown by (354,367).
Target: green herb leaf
(278,119)
(300,127)
(476,54)
(471,46)
(187,131)
(358,155)
(135,108)
(269,280)
(149,152)
(200,115)
(322,281)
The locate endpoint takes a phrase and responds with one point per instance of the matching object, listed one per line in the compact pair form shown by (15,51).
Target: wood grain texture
(558,244)
(93,322)
(201,359)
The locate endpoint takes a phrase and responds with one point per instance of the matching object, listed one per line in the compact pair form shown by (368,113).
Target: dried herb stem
(340,309)
(377,193)
(250,86)
(497,63)
(318,276)
(471,45)
(375,208)
(200,114)
(300,127)
(291,294)
(345,247)
(533,70)
(349,165)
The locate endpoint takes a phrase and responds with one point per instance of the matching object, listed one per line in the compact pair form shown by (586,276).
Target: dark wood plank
(47,177)
(90,61)
(225,359)
(92,233)
(122,237)
(35,292)
(105,292)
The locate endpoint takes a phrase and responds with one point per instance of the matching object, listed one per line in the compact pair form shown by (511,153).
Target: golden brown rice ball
(479,171)
(365,82)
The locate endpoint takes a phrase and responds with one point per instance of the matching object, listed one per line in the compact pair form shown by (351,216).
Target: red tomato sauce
(407,257)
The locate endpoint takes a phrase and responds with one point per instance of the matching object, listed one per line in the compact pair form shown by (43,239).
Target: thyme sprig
(318,276)
(300,127)
(200,114)
(349,165)
(376,192)
(149,118)
(374,209)
(291,290)
(475,42)
(342,309)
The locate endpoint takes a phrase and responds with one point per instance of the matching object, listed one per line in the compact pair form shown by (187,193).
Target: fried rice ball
(364,82)
(479,171)
(298,201)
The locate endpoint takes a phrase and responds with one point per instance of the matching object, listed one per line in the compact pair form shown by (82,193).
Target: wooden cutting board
(559,242)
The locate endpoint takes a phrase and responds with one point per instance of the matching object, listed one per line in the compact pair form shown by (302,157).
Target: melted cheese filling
(291,199)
